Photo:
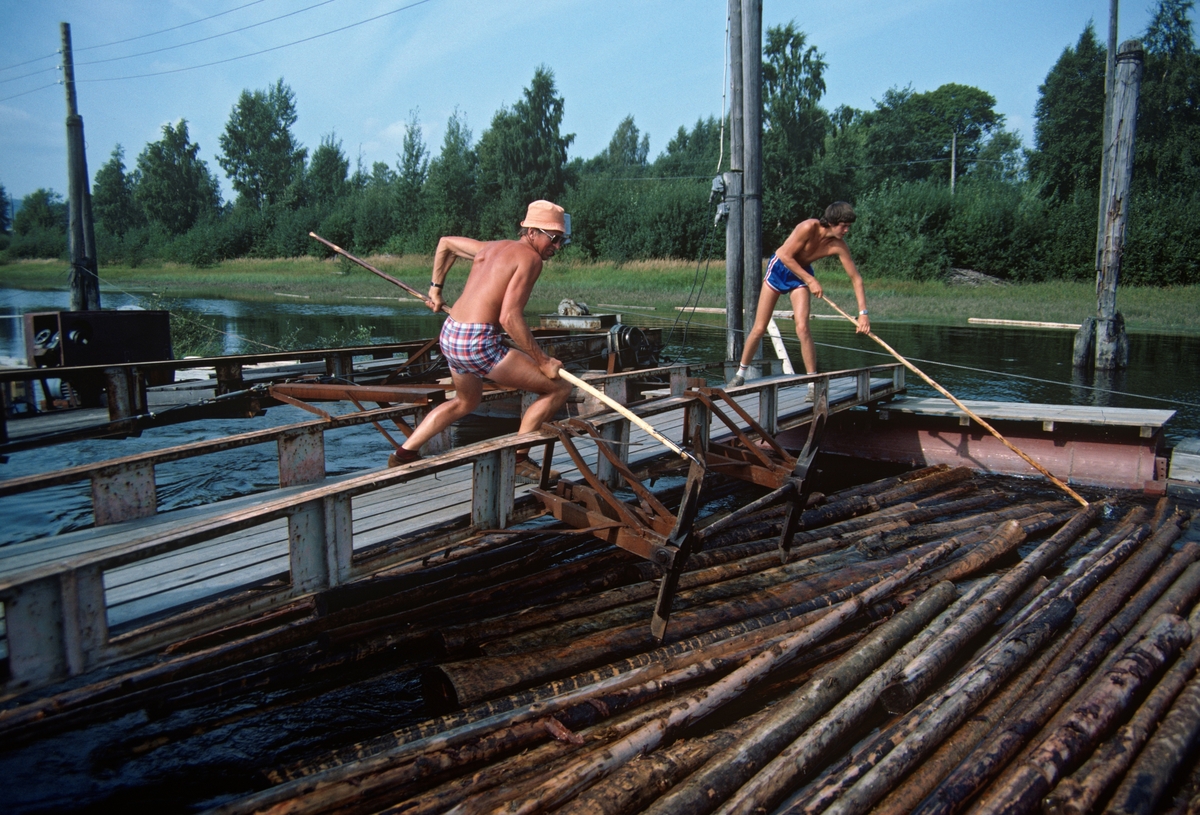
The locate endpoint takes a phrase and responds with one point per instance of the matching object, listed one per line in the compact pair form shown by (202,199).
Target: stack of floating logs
(932,642)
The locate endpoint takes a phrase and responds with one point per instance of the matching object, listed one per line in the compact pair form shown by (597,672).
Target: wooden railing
(55,607)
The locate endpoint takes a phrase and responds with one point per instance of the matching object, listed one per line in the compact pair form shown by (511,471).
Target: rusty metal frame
(743,457)
(765,461)
(300,394)
(648,529)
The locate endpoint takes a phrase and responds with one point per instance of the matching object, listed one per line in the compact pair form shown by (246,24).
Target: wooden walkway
(86,598)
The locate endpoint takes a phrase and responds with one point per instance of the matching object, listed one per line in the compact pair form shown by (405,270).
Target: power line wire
(127,39)
(35,90)
(26,76)
(211,37)
(172,28)
(263,51)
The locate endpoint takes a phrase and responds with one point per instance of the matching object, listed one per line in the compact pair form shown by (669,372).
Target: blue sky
(661,61)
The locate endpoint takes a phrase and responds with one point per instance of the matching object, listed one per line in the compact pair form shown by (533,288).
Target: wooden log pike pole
(370,268)
(1060,484)
(627,413)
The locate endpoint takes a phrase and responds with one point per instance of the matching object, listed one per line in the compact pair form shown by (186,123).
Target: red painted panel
(1117,459)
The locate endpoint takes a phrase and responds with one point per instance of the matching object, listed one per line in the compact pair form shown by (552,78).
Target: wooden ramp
(85,598)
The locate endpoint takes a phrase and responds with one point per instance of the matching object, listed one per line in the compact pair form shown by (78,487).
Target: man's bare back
(501,278)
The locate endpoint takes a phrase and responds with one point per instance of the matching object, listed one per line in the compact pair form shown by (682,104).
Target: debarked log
(1154,770)
(1077,794)
(731,582)
(473,680)
(1061,679)
(1023,786)
(929,531)
(935,767)
(638,783)
(805,754)
(862,784)
(728,770)
(695,707)
(340,777)
(917,677)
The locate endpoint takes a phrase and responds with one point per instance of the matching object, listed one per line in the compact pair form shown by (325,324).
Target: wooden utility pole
(735,336)
(1110,340)
(81,235)
(1106,157)
(752,163)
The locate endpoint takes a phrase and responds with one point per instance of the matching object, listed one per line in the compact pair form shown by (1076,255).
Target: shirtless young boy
(790,271)
(498,287)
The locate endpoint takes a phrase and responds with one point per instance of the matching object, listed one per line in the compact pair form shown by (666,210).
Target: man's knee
(562,389)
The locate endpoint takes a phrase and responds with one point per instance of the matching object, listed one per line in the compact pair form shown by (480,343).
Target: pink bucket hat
(546,215)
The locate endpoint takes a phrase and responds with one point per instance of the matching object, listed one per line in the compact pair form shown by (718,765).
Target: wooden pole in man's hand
(627,413)
(1060,484)
(370,268)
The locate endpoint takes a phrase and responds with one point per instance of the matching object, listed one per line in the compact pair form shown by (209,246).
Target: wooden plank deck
(1146,420)
(191,574)
(171,560)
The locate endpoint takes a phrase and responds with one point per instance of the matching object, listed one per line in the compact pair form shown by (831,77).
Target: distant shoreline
(664,285)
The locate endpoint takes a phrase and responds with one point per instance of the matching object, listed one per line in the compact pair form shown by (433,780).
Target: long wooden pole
(626,412)
(1060,484)
(370,268)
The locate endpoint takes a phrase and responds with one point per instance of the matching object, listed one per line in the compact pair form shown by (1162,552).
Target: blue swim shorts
(781,278)
(471,348)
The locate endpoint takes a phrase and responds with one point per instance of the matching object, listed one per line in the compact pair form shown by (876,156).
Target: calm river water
(1002,364)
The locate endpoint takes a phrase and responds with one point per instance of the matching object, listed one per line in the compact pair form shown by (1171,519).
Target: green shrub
(900,231)
(39,242)
(1162,240)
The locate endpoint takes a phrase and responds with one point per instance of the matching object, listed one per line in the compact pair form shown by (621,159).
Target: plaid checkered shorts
(471,348)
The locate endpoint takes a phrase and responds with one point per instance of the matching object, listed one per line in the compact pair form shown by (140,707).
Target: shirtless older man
(498,287)
(790,271)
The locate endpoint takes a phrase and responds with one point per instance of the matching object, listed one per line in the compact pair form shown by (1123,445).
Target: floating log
(473,680)
(866,781)
(1029,781)
(803,755)
(934,769)
(1078,793)
(580,774)
(636,785)
(929,773)
(916,677)
(729,769)
(1061,679)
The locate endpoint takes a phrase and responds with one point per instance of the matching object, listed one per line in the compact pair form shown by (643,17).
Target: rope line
(792,341)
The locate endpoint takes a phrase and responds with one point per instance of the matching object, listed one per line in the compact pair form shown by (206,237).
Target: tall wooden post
(735,336)
(81,235)
(752,180)
(1106,155)
(1111,341)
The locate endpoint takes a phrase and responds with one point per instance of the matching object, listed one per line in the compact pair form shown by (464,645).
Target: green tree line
(1017,212)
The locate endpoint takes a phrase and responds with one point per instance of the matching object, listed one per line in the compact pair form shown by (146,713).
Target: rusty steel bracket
(754,456)
(758,458)
(300,394)
(646,528)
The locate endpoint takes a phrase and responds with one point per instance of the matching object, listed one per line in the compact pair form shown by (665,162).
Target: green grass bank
(661,284)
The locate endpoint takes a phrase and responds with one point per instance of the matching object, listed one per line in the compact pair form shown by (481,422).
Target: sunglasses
(556,240)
